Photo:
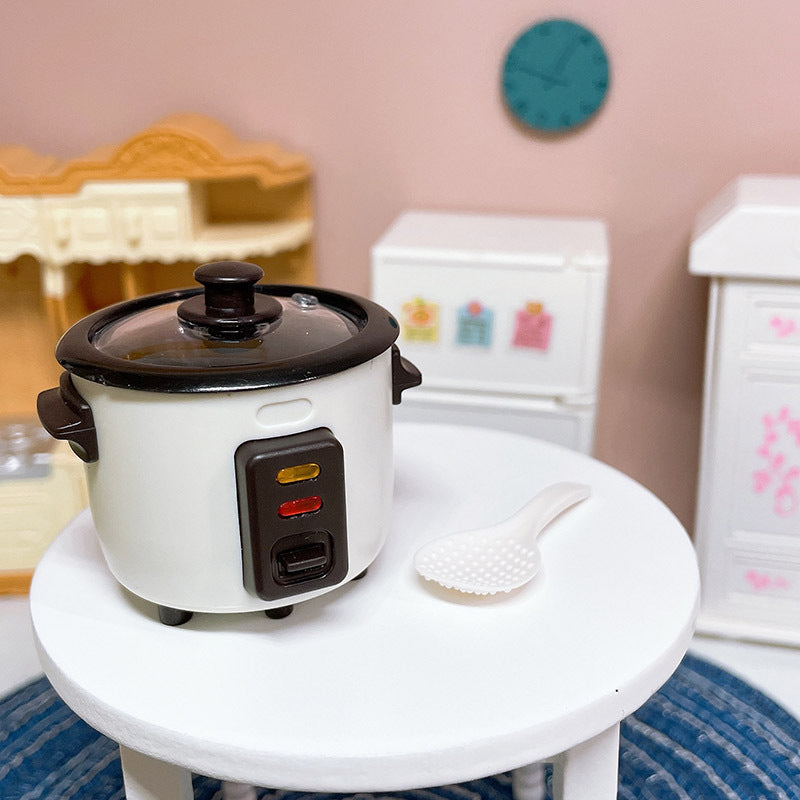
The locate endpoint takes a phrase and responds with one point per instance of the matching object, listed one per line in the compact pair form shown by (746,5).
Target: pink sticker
(532,326)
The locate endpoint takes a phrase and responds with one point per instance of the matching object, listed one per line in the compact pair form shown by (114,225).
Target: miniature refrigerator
(503,315)
(748,516)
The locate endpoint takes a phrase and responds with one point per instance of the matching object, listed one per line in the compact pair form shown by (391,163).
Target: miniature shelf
(269,238)
(183,190)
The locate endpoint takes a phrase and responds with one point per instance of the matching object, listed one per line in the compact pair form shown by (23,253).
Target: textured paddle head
(478,563)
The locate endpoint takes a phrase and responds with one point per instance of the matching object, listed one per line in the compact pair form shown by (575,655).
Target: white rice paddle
(501,557)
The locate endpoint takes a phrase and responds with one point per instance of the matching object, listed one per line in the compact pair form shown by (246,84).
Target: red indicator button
(305,505)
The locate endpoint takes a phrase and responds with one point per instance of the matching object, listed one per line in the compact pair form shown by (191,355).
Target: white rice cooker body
(163,492)
(238,441)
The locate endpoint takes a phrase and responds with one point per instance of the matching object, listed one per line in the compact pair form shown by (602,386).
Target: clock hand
(563,57)
(548,79)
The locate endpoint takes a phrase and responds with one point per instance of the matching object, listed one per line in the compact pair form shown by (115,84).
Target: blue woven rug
(705,735)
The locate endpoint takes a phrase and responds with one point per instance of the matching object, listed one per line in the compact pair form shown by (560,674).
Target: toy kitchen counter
(393,682)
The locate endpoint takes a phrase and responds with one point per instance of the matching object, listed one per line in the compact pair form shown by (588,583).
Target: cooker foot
(279,613)
(361,574)
(173,616)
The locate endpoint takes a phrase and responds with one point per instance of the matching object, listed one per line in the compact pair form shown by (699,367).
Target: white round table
(390,682)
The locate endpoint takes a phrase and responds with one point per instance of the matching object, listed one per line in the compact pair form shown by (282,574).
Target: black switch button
(312,557)
(304,557)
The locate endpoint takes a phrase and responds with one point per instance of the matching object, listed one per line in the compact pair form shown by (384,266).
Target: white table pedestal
(392,683)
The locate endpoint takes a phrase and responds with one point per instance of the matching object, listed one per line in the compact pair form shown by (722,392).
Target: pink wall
(397,103)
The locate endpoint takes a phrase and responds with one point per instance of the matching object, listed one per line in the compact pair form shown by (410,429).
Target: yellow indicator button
(301,472)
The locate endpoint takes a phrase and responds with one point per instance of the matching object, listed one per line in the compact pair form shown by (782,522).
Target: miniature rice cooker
(237,439)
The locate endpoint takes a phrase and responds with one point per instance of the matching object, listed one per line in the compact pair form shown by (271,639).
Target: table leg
(588,771)
(148,778)
(527,783)
(238,791)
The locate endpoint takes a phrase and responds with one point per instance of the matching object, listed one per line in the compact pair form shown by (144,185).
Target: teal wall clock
(555,75)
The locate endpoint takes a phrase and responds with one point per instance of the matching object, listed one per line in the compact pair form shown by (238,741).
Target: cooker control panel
(292,513)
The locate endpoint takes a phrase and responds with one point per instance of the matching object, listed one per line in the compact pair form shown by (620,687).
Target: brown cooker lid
(233,334)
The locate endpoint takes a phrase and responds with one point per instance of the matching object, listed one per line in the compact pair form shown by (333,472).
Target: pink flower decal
(761,479)
(783,327)
(779,448)
(794,430)
(762,582)
(757,580)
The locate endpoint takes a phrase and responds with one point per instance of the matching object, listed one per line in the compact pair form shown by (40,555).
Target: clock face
(555,75)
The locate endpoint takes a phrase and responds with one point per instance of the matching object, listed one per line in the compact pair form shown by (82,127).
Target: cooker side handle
(66,415)
(404,375)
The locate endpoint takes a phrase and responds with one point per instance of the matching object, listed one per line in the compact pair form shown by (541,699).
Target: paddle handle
(540,511)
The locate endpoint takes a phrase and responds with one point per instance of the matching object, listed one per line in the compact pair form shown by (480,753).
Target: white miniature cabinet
(502,314)
(748,519)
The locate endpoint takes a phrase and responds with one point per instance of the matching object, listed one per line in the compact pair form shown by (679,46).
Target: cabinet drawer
(752,574)
(772,324)
(152,225)
(21,547)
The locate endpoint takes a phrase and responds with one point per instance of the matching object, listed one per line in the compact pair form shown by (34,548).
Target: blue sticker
(475,325)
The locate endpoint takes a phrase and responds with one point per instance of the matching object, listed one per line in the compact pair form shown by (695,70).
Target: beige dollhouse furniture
(33,508)
(124,220)
(748,519)
(182,190)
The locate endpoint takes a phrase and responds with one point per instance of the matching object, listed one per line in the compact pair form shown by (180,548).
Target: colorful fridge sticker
(474,324)
(420,321)
(532,327)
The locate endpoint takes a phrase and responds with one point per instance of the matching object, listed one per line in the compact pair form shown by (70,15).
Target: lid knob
(229,308)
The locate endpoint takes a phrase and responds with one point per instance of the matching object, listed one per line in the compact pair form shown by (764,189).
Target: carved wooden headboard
(188,146)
